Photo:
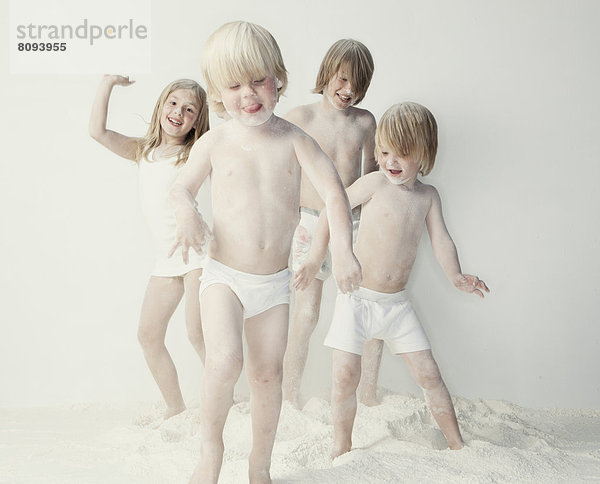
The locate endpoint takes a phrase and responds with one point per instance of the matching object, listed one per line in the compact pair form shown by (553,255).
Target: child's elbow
(95,133)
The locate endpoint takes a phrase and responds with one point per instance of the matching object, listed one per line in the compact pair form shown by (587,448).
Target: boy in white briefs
(346,133)
(396,207)
(254,161)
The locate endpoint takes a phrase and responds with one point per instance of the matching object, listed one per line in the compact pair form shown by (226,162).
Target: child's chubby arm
(322,174)
(118,143)
(445,250)
(192,230)
(358,193)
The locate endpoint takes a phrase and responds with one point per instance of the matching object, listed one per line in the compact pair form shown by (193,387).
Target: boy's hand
(469,283)
(348,274)
(305,274)
(194,233)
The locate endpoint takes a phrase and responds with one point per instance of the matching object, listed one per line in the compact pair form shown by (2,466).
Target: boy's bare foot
(337,451)
(209,466)
(259,470)
(456,445)
(369,400)
(171,412)
(259,477)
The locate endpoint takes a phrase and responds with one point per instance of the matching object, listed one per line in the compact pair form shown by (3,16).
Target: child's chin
(396,180)
(256,120)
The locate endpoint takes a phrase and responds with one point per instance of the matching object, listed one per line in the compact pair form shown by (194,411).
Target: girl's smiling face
(399,169)
(252,102)
(179,115)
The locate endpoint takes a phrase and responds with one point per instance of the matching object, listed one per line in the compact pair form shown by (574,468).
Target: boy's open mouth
(252,108)
(395,172)
(344,99)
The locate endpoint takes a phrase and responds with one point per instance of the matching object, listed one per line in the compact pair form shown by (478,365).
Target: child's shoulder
(302,114)
(362,113)
(374,179)
(425,190)
(363,118)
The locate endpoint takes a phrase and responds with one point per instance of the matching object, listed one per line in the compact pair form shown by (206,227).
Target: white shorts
(256,292)
(302,241)
(366,314)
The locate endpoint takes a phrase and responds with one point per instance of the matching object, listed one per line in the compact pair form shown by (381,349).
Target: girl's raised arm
(118,143)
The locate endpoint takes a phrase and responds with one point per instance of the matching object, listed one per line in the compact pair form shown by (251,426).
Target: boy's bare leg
(222,319)
(307,305)
(160,301)
(346,374)
(426,373)
(266,335)
(193,321)
(371,360)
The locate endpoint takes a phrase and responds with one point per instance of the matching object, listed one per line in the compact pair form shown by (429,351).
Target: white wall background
(514,87)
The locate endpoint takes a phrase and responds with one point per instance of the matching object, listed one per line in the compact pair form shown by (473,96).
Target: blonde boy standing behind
(396,207)
(347,135)
(254,162)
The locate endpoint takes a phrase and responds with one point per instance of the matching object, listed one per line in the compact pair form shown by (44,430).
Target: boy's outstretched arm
(445,250)
(324,177)
(192,230)
(119,144)
(358,193)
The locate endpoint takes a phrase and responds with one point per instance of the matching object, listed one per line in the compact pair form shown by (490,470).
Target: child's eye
(190,110)
(259,81)
(384,153)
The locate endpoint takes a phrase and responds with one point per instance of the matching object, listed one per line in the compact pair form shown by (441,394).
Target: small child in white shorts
(396,207)
(367,314)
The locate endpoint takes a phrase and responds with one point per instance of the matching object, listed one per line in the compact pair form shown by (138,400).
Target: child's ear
(279,83)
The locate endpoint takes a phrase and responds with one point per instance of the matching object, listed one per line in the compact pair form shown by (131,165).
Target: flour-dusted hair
(239,52)
(409,129)
(153,137)
(353,57)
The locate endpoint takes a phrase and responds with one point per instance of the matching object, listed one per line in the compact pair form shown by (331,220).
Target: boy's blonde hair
(352,56)
(409,129)
(153,137)
(240,52)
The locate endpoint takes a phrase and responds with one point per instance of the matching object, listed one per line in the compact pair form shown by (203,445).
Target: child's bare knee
(265,374)
(227,365)
(346,377)
(148,338)
(195,336)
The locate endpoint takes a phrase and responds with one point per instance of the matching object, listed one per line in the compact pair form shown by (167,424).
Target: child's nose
(249,90)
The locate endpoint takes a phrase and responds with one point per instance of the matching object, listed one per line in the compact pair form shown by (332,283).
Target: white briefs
(256,292)
(367,314)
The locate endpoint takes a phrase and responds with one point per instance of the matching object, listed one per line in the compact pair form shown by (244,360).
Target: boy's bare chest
(253,168)
(402,209)
(343,143)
